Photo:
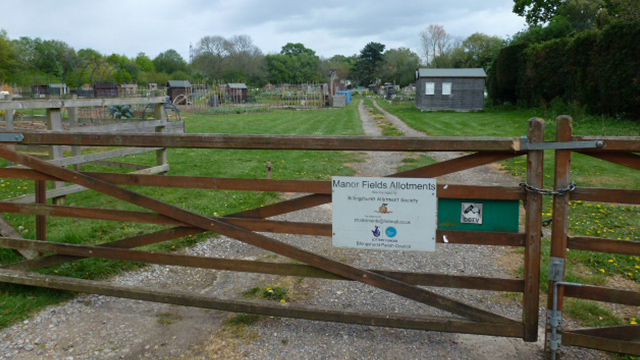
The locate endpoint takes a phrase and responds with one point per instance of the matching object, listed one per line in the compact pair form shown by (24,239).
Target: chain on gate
(561,191)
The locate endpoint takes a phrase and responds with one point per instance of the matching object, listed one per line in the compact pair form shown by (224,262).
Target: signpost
(384,213)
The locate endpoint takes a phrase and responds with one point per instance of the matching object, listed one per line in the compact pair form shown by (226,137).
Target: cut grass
(18,302)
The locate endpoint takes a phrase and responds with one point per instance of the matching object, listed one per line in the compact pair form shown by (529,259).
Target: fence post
(54,122)
(73,123)
(159,114)
(533,225)
(560,224)
(8,118)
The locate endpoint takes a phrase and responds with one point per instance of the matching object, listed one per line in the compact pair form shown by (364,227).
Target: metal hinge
(556,268)
(554,344)
(554,318)
(569,145)
(11,137)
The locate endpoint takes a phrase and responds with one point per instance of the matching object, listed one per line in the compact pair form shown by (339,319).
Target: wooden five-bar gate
(249,227)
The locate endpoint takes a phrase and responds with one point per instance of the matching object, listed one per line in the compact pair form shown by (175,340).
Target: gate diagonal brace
(252,238)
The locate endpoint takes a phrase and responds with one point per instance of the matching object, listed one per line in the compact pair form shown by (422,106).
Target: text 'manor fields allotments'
(384,213)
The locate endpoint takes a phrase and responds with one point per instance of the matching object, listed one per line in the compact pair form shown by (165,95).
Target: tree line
(27,61)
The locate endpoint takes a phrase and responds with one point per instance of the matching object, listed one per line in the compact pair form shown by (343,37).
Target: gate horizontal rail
(451,191)
(270,142)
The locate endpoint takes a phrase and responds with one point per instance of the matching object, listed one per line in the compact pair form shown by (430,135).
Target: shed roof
(467,73)
(237,85)
(179,83)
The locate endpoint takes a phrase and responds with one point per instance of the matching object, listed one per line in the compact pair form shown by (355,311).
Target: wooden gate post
(161,155)
(73,123)
(560,224)
(54,122)
(533,225)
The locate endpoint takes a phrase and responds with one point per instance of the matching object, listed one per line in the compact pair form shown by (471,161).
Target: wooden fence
(76,123)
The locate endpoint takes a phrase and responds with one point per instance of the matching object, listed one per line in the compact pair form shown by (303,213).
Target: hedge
(599,70)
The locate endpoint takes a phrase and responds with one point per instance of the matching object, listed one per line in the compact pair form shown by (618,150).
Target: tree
(581,14)
(209,56)
(8,57)
(536,12)
(294,64)
(622,10)
(89,55)
(399,66)
(368,63)
(144,62)
(246,61)
(342,65)
(169,62)
(232,59)
(50,60)
(479,50)
(435,43)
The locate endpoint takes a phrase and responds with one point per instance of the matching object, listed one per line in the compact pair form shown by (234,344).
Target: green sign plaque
(479,215)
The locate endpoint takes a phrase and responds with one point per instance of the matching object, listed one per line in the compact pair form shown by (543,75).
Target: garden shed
(237,92)
(176,88)
(450,89)
(50,89)
(105,90)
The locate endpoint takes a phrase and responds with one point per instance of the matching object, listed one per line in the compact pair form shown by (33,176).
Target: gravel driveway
(99,327)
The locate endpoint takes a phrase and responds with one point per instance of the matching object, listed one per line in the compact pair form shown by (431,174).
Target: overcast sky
(329,27)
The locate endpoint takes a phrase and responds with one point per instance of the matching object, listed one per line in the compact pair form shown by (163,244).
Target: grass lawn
(17,302)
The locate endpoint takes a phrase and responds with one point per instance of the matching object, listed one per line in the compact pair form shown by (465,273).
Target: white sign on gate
(384,213)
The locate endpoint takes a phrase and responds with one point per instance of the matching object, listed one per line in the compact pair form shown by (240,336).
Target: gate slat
(290,186)
(572,338)
(274,142)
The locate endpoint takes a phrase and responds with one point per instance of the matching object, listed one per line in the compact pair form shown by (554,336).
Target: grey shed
(450,89)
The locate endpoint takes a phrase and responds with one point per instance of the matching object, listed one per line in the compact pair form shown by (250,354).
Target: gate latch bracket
(552,145)
(11,137)
(556,269)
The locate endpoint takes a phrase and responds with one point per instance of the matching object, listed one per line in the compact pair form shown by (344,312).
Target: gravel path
(99,327)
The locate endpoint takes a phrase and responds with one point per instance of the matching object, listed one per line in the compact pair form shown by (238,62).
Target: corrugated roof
(179,83)
(476,72)
(237,85)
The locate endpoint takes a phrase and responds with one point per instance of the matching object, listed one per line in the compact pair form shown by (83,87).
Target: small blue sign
(391,232)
